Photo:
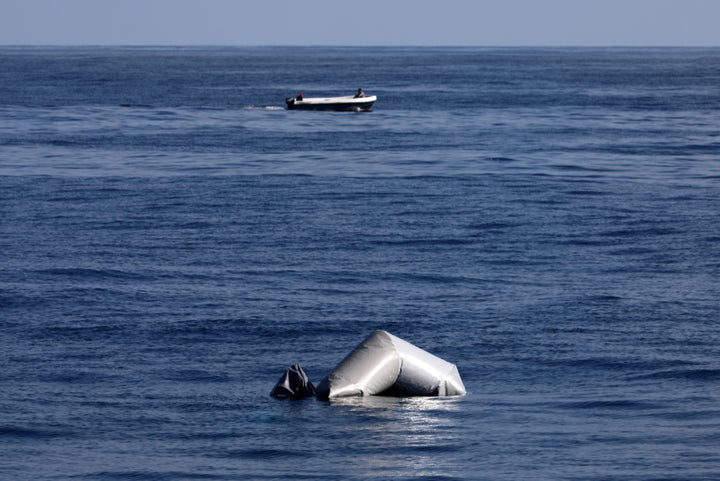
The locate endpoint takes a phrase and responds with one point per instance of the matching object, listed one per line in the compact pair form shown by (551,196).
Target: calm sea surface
(172,239)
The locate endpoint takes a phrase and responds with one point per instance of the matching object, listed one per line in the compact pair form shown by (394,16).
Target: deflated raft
(382,365)
(294,384)
(386,365)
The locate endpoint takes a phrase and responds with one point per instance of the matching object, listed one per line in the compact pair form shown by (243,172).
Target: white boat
(338,104)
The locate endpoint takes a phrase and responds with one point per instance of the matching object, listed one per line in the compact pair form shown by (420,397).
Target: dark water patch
(698,375)
(696,414)
(16,433)
(634,251)
(137,106)
(432,477)
(214,434)
(584,242)
(166,113)
(196,375)
(508,260)
(579,168)
(425,242)
(431,444)
(625,368)
(77,376)
(87,332)
(149,475)
(430,278)
(641,232)
(619,405)
(264,453)
(494,226)
(606,298)
(90,274)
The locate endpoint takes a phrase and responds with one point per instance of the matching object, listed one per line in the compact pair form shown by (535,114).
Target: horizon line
(218,45)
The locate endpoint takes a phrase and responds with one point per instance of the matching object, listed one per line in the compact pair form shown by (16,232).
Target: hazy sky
(361,22)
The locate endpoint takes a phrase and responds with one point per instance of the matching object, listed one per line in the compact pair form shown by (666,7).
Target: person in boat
(300,97)
(360,94)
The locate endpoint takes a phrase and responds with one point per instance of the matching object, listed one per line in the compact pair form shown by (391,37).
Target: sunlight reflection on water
(400,433)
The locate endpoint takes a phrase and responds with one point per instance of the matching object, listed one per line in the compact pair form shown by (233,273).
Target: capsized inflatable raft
(294,384)
(386,365)
(382,365)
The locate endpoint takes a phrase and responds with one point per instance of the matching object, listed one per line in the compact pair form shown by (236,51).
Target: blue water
(171,240)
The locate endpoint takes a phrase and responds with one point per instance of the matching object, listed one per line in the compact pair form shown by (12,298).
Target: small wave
(687,374)
(264,107)
(19,432)
(262,453)
(583,242)
(78,272)
(494,226)
(137,106)
(617,404)
(643,232)
(166,113)
(426,242)
(76,376)
(196,375)
(159,475)
(633,251)
(605,298)
(586,192)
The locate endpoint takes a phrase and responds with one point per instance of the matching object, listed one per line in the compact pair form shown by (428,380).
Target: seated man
(360,94)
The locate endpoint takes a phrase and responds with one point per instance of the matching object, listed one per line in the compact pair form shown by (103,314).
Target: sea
(172,239)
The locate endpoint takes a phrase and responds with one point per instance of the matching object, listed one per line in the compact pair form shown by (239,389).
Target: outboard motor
(294,384)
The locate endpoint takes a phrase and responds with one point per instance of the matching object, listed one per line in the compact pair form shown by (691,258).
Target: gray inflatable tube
(386,365)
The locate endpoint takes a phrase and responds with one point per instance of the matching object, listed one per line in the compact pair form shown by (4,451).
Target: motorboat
(337,104)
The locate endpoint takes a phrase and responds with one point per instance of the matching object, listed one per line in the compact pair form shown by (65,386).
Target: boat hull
(335,104)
